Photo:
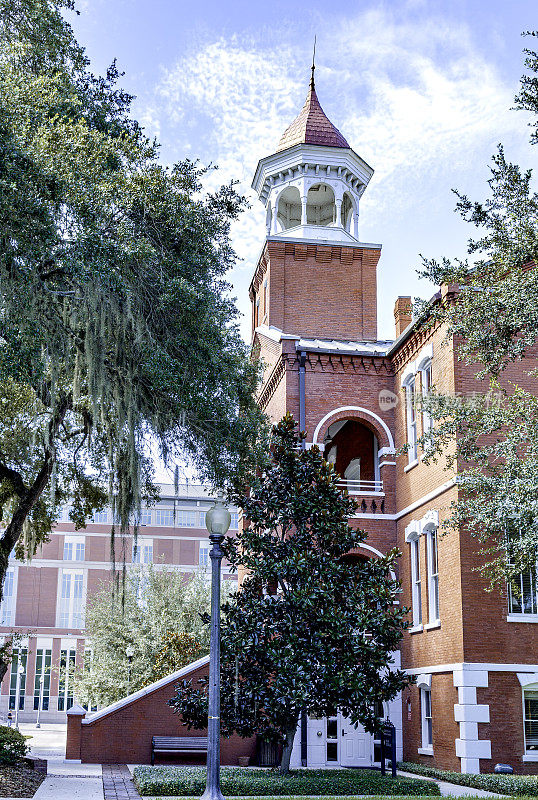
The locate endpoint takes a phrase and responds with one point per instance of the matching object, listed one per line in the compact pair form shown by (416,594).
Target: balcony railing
(362,487)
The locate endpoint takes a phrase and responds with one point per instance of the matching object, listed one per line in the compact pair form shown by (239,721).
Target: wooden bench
(177,744)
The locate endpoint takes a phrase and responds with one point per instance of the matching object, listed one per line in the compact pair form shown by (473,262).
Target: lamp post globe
(217,520)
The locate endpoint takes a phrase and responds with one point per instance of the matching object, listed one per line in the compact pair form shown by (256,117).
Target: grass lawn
(256,783)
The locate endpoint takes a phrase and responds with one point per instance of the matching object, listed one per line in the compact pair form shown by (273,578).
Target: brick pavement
(118,783)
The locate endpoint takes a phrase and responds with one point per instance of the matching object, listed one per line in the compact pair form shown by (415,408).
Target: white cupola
(311,187)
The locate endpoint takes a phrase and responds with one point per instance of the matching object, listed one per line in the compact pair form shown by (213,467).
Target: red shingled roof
(312,126)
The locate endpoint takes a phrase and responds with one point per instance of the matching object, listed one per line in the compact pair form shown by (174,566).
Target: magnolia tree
(116,324)
(313,627)
(494,322)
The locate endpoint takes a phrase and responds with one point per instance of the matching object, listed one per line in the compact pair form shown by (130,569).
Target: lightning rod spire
(312,86)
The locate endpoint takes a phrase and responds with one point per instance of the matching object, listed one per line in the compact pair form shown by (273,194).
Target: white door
(356,746)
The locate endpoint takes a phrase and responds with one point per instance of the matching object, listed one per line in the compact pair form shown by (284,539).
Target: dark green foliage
(311,627)
(493,322)
(185,781)
(13,745)
(116,324)
(518,785)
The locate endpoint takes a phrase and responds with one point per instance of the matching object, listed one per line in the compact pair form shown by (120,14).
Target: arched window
(320,206)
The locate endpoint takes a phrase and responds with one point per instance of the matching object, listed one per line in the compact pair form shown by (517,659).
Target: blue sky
(421,89)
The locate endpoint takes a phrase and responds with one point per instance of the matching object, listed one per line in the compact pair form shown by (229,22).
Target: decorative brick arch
(372,552)
(372,420)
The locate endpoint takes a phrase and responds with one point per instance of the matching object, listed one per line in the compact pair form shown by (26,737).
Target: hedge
(185,781)
(330,797)
(516,785)
(13,745)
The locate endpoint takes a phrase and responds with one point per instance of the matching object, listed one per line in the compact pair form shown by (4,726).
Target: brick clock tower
(313,294)
(314,323)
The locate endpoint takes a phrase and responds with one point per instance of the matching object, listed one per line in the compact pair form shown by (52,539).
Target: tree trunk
(286,751)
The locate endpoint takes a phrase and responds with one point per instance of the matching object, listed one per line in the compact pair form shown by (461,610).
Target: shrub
(12,745)
(185,781)
(517,785)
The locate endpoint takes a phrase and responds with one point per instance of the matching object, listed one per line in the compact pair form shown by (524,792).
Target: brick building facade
(45,599)
(314,298)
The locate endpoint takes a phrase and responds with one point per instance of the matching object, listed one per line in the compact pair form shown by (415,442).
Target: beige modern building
(45,599)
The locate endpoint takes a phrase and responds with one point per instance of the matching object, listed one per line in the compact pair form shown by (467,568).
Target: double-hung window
(203,554)
(426,718)
(530,710)
(426,385)
(416,583)
(433,574)
(71,603)
(7,606)
(522,598)
(413,539)
(143,551)
(74,548)
(411,418)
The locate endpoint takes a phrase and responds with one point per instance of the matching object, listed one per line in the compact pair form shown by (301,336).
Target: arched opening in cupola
(348,211)
(289,208)
(320,205)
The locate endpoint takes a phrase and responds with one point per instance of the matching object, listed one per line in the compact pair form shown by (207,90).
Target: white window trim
(424,357)
(409,372)
(427,421)
(412,536)
(531,687)
(204,545)
(433,613)
(522,616)
(410,389)
(426,747)
(430,626)
(74,539)
(72,571)
(139,546)
(13,614)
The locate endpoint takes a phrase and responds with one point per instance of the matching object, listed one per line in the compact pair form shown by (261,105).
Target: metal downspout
(302,393)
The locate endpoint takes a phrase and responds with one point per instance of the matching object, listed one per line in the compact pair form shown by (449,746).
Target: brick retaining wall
(121,733)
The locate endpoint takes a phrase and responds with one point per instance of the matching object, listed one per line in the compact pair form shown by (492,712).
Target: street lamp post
(40,704)
(217,522)
(20,673)
(129,652)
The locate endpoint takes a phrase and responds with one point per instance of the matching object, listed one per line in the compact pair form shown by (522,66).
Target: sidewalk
(68,780)
(452,789)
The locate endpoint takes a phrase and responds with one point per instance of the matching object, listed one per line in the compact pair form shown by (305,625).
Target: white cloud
(415,99)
